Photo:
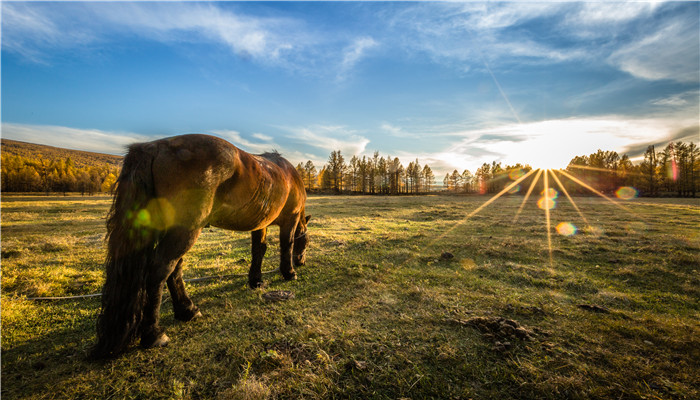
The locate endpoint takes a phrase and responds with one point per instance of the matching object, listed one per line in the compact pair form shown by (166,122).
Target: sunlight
(587,186)
(489,201)
(499,194)
(527,195)
(547,200)
(566,193)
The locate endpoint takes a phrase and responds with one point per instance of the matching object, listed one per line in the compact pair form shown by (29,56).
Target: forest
(29,167)
(671,171)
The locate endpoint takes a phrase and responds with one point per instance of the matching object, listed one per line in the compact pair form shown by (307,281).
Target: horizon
(454,85)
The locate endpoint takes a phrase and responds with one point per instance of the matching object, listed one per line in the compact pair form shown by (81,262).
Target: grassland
(380,310)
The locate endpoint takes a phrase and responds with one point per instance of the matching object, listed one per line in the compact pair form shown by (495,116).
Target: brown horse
(167,192)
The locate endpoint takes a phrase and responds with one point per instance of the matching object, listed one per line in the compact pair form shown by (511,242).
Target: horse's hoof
(187,315)
(256,285)
(161,341)
(291,277)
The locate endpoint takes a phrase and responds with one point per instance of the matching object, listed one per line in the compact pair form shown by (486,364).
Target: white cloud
(671,52)
(550,143)
(28,29)
(256,37)
(93,140)
(677,100)
(32,29)
(331,138)
(398,132)
(247,145)
(263,137)
(593,19)
(352,55)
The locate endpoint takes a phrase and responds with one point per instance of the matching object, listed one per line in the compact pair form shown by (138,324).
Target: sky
(452,84)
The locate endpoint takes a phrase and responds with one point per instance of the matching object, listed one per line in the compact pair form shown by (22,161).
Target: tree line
(673,171)
(367,175)
(37,174)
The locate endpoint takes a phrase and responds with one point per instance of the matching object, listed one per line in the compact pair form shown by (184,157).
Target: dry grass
(378,311)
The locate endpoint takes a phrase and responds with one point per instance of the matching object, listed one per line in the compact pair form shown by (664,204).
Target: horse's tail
(130,245)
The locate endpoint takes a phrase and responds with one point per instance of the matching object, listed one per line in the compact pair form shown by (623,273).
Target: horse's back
(200,179)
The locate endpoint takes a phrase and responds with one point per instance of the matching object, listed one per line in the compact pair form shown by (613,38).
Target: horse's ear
(308,217)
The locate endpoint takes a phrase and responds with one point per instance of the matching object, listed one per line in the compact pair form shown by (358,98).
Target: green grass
(377,313)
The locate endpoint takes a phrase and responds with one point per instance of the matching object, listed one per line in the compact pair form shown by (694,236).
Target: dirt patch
(502,332)
(277,295)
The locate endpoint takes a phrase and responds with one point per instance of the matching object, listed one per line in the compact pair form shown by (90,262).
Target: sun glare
(548,199)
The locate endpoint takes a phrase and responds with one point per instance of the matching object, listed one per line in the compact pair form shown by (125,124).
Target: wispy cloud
(32,29)
(40,31)
(28,30)
(238,140)
(93,140)
(553,143)
(678,100)
(398,131)
(670,52)
(260,38)
(463,35)
(330,138)
(352,55)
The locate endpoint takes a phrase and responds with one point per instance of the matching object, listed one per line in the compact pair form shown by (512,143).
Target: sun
(552,160)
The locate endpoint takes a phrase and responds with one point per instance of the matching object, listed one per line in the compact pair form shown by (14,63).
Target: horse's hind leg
(258,248)
(167,254)
(183,307)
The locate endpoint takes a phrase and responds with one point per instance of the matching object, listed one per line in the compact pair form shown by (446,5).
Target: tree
(428,178)
(648,168)
(336,170)
(455,179)
(302,173)
(483,175)
(467,178)
(310,173)
(109,183)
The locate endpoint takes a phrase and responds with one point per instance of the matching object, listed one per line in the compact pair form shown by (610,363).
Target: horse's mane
(273,155)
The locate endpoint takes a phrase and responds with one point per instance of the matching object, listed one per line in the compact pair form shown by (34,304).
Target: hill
(80,158)
(28,167)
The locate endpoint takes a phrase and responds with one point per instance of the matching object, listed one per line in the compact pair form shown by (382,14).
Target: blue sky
(452,84)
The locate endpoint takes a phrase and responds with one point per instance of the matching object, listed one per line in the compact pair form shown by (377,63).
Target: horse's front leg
(286,247)
(258,248)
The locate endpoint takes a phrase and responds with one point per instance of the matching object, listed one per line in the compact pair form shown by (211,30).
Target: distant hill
(28,167)
(80,158)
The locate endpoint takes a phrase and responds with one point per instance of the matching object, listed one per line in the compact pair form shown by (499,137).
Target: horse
(167,192)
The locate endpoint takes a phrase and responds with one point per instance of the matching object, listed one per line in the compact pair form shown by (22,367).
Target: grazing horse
(167,192)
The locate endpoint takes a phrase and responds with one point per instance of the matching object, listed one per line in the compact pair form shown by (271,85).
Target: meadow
(401,297)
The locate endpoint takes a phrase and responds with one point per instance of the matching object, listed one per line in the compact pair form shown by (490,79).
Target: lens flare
(626,193)
(566,229)
(551,193)
(515,189)
(143,218)
(527,195)
(546,203)
(516,173)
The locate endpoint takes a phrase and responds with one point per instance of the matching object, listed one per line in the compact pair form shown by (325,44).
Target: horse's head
(301,242)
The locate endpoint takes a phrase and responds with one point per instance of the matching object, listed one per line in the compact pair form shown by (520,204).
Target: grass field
(379,311)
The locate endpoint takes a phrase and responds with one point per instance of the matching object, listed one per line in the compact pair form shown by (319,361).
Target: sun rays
(549,197)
